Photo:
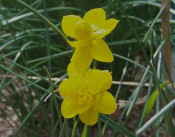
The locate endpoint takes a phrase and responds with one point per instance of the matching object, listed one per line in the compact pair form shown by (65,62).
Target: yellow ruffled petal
(68,109)
(105,103)
(90,116)
(70,86)
(84,102)
(69,24)
(80,61)
(100,51)
(95,17)
(76,100)
(108,26)
(97,80)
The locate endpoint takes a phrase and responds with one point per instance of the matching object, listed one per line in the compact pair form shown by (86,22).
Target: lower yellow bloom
(86,96)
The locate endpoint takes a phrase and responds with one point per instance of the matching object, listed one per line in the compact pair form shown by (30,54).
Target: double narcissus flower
(85,91)
(87,33)
(86,96)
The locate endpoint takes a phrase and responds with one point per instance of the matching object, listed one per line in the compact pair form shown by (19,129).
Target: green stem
(54,98)
(74,128)
(95,64)
(85,129)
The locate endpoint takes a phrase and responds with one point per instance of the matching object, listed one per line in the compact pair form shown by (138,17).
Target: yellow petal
(80,61)
(71,108)
(72,70)
(68,87)
(108,26)
(68,109)
(105,103)
(81,54)
(83,31)
(95,17)
(97,80)
(69,23)
(100,51)
(79,43)
(90,116)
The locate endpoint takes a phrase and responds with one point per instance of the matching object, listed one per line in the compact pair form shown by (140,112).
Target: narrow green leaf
(161,113)
(117,127)
(137,91)
(44,19)
(154,21)
(63,129)
(99,132)
(32,83)
(152,99)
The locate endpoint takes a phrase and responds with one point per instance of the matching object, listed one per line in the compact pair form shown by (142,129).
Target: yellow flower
(86,96)
(88,33)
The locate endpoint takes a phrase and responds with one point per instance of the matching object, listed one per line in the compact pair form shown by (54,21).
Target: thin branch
(127,83)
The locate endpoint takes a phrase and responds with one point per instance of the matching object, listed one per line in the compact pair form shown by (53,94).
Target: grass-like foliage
(34,56)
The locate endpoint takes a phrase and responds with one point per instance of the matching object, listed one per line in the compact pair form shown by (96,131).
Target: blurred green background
(28,42)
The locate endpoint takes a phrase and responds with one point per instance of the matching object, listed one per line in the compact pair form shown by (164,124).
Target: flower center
(84,98)
(83,31)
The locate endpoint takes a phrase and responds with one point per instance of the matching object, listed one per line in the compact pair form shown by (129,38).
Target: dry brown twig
(127,83)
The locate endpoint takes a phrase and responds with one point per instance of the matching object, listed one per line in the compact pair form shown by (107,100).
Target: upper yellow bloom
(88,33)
(86,96)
